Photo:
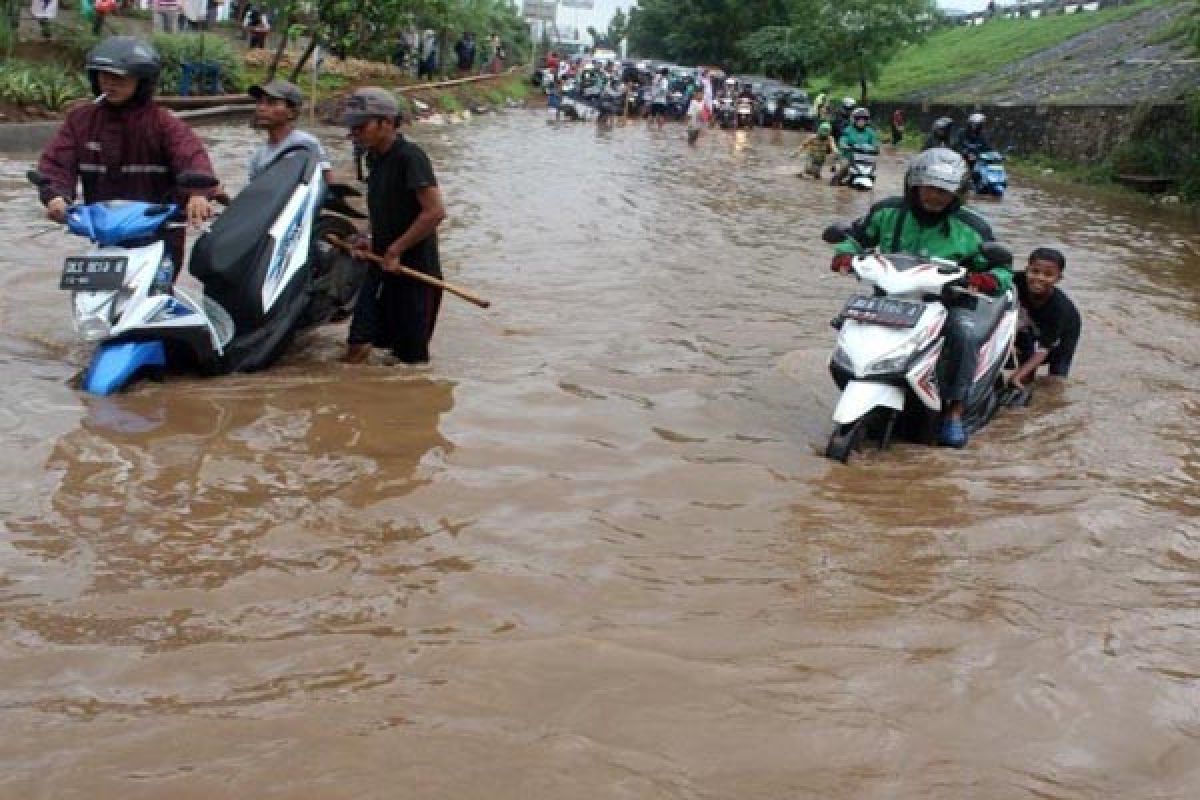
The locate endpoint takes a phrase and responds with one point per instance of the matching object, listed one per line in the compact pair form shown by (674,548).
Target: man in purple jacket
(124,146)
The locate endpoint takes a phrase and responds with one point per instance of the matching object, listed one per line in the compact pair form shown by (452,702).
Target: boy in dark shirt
(1050,323)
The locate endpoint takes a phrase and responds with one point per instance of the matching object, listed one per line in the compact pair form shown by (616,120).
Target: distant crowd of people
(420,50)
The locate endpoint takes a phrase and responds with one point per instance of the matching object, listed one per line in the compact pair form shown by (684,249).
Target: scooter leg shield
(859,397)
(114,364)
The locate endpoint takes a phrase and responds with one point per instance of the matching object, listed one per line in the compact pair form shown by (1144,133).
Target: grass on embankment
(962,52)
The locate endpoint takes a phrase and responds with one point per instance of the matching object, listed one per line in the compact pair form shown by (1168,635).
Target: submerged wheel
(845,439)
(335,275)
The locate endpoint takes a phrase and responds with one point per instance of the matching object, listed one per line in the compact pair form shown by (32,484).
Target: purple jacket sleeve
(60,160)
(185,150)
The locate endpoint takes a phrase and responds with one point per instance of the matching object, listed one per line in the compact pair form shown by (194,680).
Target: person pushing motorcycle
(929,220)
(124,146)
(819,148)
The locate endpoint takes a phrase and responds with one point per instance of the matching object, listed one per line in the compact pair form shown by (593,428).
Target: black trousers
(395,312)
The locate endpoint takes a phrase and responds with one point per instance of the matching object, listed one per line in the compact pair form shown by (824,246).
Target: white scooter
(265,270)
(861,174)
(745,112)
(890,341)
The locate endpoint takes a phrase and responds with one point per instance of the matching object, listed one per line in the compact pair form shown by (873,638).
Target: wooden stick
(465,294)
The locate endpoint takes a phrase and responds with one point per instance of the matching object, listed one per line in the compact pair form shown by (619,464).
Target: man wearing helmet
(819,148)
(971,140)
(841,118)
(860,134)
(930,221)
(124,146)
(939,134)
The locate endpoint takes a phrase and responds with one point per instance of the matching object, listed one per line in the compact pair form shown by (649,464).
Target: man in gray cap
(276,107)
(405,207)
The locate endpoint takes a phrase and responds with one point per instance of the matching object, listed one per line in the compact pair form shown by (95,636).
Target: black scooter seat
(232,258)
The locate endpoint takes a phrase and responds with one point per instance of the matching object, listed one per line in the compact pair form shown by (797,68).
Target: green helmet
(824,129)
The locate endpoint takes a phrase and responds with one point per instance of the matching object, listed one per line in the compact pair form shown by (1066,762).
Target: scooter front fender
(859,397)
(114,364)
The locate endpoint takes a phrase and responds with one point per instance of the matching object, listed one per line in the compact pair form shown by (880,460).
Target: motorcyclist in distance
(841,118)
(972,141)
(939,134)
(860,134)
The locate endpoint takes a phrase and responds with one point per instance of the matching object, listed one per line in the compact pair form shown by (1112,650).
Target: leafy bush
(178,49)
(45,85)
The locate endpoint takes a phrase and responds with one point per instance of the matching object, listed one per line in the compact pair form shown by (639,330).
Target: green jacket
(852,136)
(892,226)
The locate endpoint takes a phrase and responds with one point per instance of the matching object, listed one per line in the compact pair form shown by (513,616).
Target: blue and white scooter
(265,269)
(989,175)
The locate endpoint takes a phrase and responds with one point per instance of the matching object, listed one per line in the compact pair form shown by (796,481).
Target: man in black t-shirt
(1050,323)
(404,204)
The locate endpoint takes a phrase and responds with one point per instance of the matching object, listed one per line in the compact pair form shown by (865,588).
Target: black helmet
(125,55)
(941,126)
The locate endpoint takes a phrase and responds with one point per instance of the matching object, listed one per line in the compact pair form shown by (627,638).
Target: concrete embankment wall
(1080,133)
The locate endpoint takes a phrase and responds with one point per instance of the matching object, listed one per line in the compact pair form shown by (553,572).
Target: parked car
(773,105)
(798,111)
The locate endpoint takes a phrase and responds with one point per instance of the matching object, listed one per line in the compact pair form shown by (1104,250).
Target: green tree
(598,39)
(859,36)
(618,29)
(701,31)
(784,51)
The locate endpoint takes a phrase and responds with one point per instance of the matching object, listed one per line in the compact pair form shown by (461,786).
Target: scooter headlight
(842,359)
(92,328)
(893,362)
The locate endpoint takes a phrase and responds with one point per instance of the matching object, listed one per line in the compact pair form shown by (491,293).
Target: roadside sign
(544,10)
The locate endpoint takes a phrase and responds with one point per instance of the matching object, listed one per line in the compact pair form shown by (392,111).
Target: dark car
(798,111)
(774,102)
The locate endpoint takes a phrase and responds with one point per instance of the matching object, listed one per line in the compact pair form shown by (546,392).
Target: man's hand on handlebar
(198,210)
(56,210)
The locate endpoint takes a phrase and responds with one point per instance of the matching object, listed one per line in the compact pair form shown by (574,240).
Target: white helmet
(939,167)
(860,113)
(848,103)
(976,120)
(730,82)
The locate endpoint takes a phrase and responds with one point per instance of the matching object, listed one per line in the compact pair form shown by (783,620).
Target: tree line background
(846,41)
(370,29)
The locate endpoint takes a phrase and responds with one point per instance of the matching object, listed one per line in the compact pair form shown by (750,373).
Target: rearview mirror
(196,180)
(835,234)
(996,254)
(34,177)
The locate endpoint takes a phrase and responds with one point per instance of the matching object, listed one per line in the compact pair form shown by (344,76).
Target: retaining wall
(1082,133)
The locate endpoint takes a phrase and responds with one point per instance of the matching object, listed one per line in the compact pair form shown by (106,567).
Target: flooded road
(593,551)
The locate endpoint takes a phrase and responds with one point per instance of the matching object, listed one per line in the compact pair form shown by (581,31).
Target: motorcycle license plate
(93,273)
(883,311)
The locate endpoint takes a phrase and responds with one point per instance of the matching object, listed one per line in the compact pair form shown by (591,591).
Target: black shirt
(392,202)
(1054,326)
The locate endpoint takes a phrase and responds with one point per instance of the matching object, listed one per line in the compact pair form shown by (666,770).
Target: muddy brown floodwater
(593,551)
